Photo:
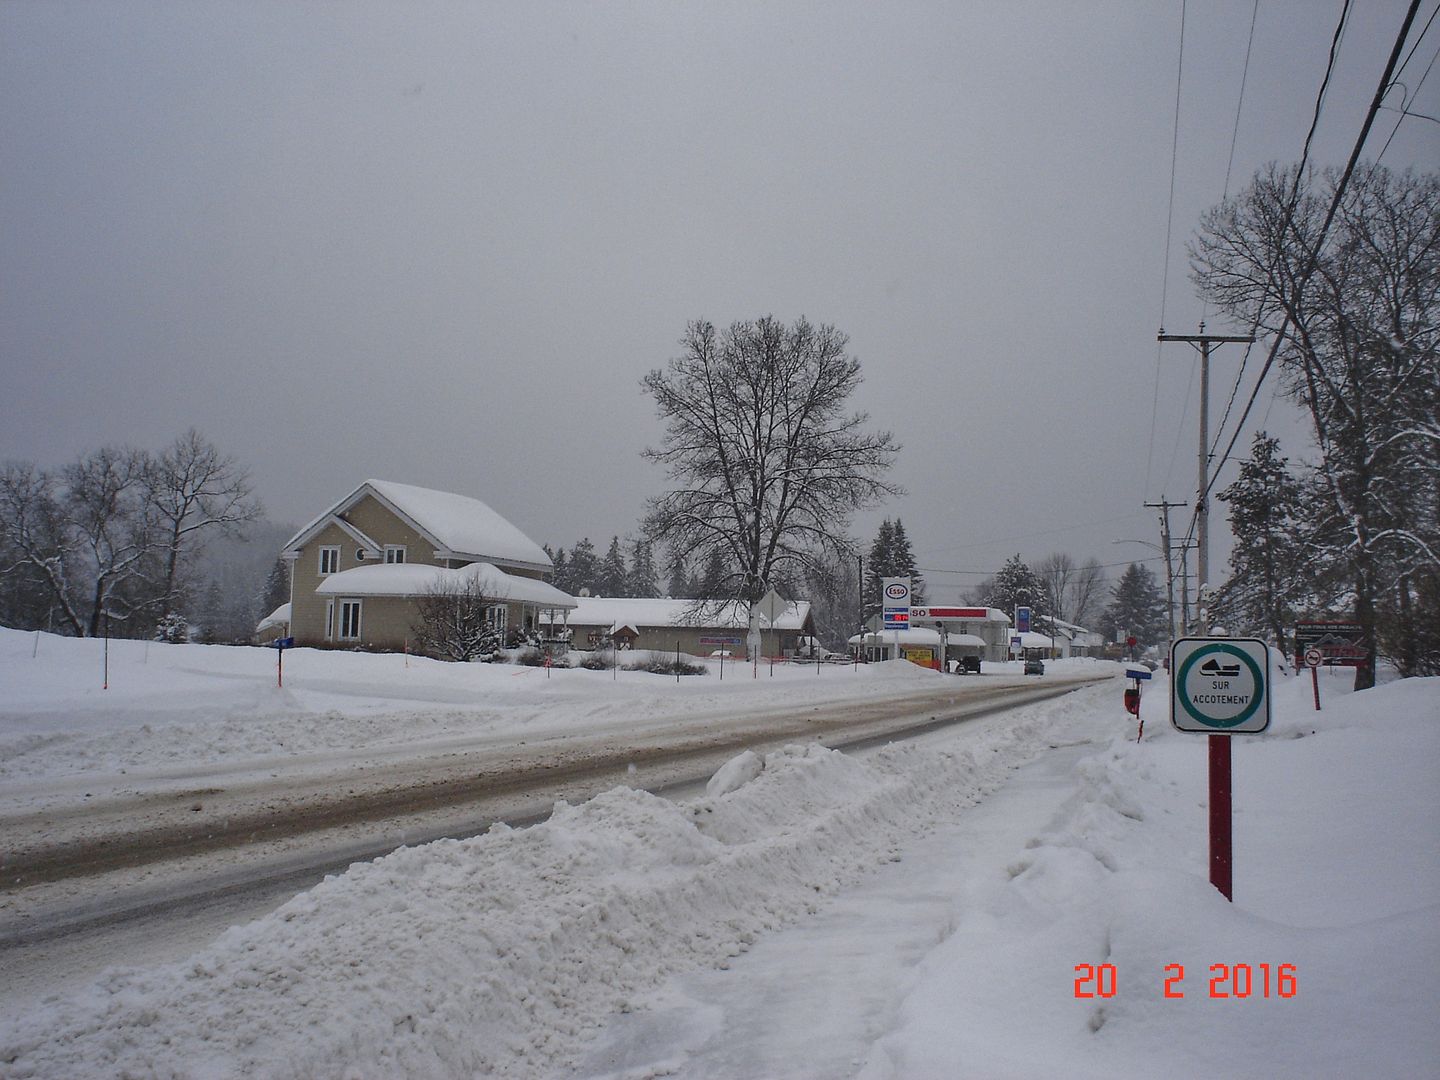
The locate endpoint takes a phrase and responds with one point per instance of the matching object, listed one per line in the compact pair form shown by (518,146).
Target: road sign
(1022,619)
(283,643)
(1136,673)
(1340,643)
(772,605)
(1221,686)
(895,602)
(1314,657)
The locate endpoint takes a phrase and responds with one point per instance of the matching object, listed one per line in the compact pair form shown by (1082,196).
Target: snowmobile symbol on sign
(1220,686)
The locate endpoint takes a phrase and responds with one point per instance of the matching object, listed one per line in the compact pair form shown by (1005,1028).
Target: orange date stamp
(1236,982)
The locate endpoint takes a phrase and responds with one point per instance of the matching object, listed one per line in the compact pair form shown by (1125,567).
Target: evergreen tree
(612,578)
(1016,586)
(712,578)
(642,569)
(277,587)
(882,557)
(679,584)
(1267,564)
(584,568)
(1137,608)
(903,563)
(561,580)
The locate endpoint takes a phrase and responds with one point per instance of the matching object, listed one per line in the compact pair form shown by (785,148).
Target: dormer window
(394,553)
(329,559)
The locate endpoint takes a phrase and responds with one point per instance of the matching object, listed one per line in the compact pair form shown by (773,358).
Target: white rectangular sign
(1220,686)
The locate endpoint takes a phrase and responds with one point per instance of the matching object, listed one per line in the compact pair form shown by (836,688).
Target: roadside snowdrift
(503,952)
(1337,831)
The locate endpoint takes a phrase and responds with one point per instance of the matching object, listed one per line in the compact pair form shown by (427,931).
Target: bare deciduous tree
(39,559)
(110,522)
(193,490)
(768,462)
(1087,593)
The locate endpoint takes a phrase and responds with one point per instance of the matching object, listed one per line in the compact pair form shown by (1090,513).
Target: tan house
(357,569)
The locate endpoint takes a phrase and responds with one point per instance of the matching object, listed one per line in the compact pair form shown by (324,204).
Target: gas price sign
(1221,685)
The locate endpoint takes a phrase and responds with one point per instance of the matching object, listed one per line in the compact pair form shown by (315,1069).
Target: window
(497,616)
(394,553)
(349,620)
(329,620)
(330,559)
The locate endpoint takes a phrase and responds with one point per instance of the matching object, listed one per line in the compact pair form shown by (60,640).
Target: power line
(1244,78)
(1169,230)
(1308,270)
(1410,95)
(1291,203)
(1174,160)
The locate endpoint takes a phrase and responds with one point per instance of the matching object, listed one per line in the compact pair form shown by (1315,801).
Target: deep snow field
(914,912)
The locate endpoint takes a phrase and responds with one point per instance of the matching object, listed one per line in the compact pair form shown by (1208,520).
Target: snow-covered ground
(919,911)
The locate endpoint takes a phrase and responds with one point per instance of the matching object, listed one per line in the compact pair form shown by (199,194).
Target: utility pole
(1219,750)
(1164,506)
(1204,343)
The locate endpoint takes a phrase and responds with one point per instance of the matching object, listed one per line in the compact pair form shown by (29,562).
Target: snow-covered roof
(279,617)
(967,639)
(460,526)
(417,579)
(914,635)
(640,612)
(1031,640)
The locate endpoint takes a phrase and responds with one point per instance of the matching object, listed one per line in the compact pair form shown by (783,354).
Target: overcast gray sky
(441,243)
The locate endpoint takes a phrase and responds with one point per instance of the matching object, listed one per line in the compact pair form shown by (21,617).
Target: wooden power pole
(1204,343)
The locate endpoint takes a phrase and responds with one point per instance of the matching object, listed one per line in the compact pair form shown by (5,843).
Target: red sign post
(1220,687)
(1313,659)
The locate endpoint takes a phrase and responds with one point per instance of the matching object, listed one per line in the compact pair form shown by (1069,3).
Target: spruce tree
(642,569)
(877,566)
(1267,580)
(713,577)
(613,579)
(1137,608)
(277,587)
(678,586)
(1016,586)
(584,567)
(902,563)
(561,578)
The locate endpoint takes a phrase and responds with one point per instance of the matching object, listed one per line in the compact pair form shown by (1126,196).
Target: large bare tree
(1357,316)
(768,462)
(193,491)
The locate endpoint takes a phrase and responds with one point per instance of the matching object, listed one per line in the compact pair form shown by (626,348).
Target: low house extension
(697,627)
(357,570)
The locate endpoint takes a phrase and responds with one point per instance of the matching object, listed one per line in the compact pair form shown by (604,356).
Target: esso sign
(896,592)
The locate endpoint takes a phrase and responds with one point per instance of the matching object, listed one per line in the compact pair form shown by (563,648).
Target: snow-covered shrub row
(502,953)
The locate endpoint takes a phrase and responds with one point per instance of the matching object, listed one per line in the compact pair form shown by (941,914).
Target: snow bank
(1336,823)
(504,952)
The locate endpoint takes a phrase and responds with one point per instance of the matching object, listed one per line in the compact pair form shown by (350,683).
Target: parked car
(1034,666)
